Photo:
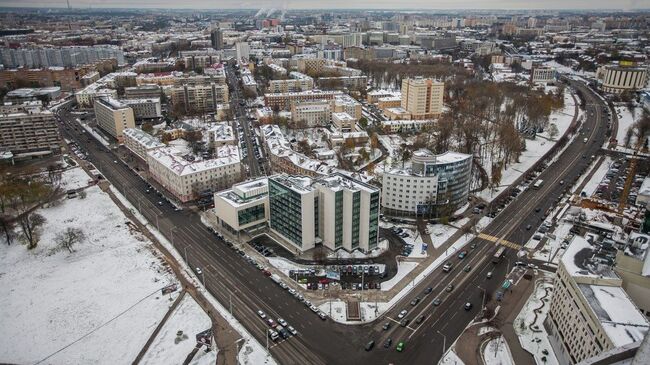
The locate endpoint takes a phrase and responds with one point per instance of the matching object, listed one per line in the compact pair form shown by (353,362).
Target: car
(528,227)
(562,181)
(489,274)
(537,209)
(467,306)
(467,268)
(402,314)
(415,301)
(420,319)
(292,330)
(313,308)
(400,346)
(449,288)
(273,335)
(404,322)
(198,271)
(261,314)
(473,246)
(437,301)
(428,290)
(386,326)
(370,345)
(115,161)
(282,322)
(160,202)
(388,343)
(447,266)
(271,322)
(322,315)
(462,254)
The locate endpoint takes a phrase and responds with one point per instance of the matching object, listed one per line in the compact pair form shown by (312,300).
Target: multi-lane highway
(242,287)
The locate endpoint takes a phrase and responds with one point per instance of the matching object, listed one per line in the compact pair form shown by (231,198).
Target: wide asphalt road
(242,287)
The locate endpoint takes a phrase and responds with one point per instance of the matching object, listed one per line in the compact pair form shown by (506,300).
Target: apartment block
(144,108)
(344,103)
(140,142)
(283,101)
(422,97)
(28,130)
(303,83)
(344,122)
(199,98)
(113,116)
(142,92)
(312,113)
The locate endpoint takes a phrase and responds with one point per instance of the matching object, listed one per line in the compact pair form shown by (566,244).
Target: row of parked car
(265,251)
(277,329)
(296,294)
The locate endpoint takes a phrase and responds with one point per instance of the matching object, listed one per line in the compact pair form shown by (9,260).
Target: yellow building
(422,97)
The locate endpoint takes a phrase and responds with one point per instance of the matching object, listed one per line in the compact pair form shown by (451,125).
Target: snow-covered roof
(175,159)
(621,319)
(143,138)
(645,187)
(578,260)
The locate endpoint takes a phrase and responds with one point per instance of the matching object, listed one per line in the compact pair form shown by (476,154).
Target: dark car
(388,343)
(386,326)
(420,319)
(404,322)
(370,345)
(428,290)
(437,301)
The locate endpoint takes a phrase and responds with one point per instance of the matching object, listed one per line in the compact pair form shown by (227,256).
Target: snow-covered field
(169,348)
(626,118)
(535,339)
(97,305)
(451,358)
(496,352)
(403,269)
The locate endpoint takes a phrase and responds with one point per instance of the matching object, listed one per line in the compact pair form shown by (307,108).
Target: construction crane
(634,160)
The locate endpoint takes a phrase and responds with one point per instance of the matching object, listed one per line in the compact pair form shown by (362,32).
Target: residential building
(311,66)
(407,126)
(220,134)
(28,130)
(350,82)
(58,57)
(283,101)
(142,92)
(389,102)
(624,76)
(298,82)
(312,113)
(344,122)
(243,50)
(144,108)
(199,98)
(422,97)
(113,116)
(216,38)
(433,185)
(590,313)
(140,142)
(187,176)
(244,207)
(633,266)
(344,103)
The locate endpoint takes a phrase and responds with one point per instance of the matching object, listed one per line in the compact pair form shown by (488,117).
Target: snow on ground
(93,133)
(440,233)
(74,178)
(251,351)
(451,358)
(535,339)
(535,149)
(382,246)
(336,310)
(626,118)
(104,296)
(403,269)
(485,329)
(592,184)
(169,348)
(415,239)
(496,352)
(285,265)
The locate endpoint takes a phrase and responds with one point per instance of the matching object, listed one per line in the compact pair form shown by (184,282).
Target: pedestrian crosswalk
(499,241)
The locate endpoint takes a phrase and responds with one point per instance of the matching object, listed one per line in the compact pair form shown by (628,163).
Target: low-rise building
(220,134)
(245,207)
(590,312)
(403,126)
(312,114)
(144,108)
(283,101)
(624,76)
(142,92)
(344,122)
(187,176)
(397,113)
(113,116)
(542,74)
(140,142)
(346,104)
(28,130)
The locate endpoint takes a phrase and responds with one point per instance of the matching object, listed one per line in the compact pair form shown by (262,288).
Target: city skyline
(338,4)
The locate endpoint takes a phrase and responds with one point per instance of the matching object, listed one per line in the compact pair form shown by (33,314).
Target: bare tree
(30,224)
(7,225)
(69,237)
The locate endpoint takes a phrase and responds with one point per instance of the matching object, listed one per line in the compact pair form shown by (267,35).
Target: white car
(402,314)
(282,322)
(313,308)
(292,291)
(292,330)
(261,314)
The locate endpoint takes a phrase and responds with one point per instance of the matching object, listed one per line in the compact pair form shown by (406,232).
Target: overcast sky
(340,4)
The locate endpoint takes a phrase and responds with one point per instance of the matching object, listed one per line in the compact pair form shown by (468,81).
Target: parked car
(402,314)
(370,345)
(400,346)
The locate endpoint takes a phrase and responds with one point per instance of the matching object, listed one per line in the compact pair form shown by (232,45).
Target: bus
(498,254)
(538,184)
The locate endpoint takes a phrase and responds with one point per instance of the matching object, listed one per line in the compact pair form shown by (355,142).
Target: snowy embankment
(97,305)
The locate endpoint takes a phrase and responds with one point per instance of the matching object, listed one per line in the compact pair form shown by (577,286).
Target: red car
(324,281)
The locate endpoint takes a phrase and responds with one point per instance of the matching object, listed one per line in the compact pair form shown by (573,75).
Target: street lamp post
(171,232)
(185,250)
(444,342)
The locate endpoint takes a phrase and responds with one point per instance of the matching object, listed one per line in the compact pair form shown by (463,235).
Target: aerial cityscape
(297,183)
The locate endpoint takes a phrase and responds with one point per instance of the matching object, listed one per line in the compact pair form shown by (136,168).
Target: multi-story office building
(199,98)
(336,211)
(28,130)
(244,207)
(113,116)
(186,177)
(590,312)
(216,38)
(293,210)
(633,266)
(140,142)
(422,97)
(348,213)
(312,113)
(434,185)
(283,101)
(344,103)
(144,108)
(624,76)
